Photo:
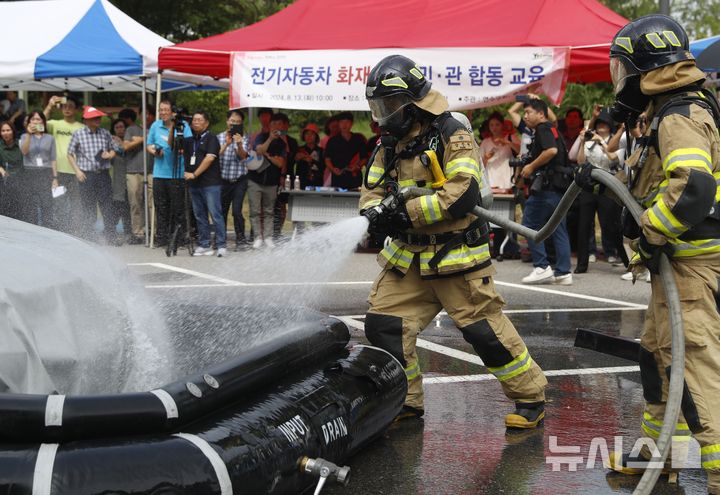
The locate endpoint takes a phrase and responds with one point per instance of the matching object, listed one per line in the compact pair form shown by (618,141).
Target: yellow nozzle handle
(437,173)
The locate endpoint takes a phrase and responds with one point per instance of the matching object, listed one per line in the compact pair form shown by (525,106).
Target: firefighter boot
(636,465)
(527,415)
(408,412)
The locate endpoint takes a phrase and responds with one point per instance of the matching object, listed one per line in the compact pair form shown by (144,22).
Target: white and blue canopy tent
(81,45)
(84,45)
(707,53)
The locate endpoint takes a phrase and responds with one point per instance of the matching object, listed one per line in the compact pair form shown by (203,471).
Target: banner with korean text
(335,79)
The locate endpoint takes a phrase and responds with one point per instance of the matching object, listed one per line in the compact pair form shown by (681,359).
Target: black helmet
(650,42)
(396,75)
(393,85)
(645,44)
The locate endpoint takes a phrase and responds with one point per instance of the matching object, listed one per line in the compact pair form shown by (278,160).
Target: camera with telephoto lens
(181,116)
(520,161)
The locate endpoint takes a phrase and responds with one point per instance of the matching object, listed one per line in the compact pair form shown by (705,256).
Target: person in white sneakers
(546,170)
(631,277)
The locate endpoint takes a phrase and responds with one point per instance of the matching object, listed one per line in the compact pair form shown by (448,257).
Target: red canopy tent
(584,25)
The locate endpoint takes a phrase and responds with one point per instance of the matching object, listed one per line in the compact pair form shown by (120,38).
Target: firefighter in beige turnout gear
(439,256)
(675,175)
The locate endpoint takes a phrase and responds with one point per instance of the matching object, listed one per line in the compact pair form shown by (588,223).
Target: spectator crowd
(59,173)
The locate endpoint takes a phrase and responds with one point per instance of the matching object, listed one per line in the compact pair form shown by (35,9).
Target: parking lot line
(571,294)
(194,273)
(228,282)
(548,373)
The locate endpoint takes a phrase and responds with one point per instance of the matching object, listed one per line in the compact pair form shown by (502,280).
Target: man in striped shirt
(89,153)
(233,152)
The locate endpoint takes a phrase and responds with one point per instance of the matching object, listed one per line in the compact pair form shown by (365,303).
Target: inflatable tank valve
(324,470)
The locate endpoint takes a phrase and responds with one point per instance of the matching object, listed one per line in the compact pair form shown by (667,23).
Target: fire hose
(672,409)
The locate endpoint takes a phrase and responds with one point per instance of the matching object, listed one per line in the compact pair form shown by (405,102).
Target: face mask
(400,123)
(629,99)
(630,102)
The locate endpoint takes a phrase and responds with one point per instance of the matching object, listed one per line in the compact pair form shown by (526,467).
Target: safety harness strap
(476,234)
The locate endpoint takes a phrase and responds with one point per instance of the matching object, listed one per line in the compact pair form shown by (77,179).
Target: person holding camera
(233,170)
(40,164)
(546,170)
(593,149)
(67,208)
(202,173)
(168,166)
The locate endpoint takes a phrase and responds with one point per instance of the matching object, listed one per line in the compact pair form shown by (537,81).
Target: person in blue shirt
(168,173)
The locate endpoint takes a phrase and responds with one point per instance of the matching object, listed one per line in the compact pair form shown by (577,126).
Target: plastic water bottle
(296,185)
(287,182)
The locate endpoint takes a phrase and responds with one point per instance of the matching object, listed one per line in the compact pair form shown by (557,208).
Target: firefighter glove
(584,180)
(650,253)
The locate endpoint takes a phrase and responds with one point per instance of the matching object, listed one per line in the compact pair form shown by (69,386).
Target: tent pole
(145,161)
(158,94)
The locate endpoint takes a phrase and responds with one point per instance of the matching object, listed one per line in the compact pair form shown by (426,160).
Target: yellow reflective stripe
(412,371)
(717,182)
(396,255)
(515,367)
(656,194)
(371,203)
(462,165)
(407,183)
(457,256)
(652,427)
(662,219)
(430,207)
(687,249)
(687,157)
(375,171)
(649,431)
(710,456)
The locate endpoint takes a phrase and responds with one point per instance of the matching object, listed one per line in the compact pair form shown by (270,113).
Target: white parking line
(448,351)
(540,310)
(570,294)
(228,282)
(472,358)
(190,286)
(194,273)
(567,372)
(250,285)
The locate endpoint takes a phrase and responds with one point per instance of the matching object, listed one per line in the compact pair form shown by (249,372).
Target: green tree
(700,19)
(186,20)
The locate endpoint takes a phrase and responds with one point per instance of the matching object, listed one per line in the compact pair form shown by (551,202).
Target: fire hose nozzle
(325,469)
(372,213)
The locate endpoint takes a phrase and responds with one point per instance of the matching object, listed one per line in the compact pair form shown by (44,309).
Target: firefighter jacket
(680,186)
(445,211)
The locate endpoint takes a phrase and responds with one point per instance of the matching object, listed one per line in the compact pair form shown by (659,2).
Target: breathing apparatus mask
(395,114)
(630,101)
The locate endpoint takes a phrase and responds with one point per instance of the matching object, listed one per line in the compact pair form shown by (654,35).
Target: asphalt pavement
(461,446)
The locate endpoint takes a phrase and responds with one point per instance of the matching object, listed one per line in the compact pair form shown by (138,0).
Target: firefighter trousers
(402,306)
(697,283)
